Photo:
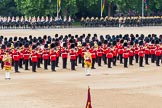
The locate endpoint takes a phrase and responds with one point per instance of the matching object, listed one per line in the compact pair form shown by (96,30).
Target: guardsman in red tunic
(82,55)
(131,55)
(72,57)
(34,59)
(21,58)
(118,46)
(20,50)
(147,53)
(39,54)
(99,53)
(141,55)
(14,52)
(64,55)
(1,56)
(3,47)
(76,53)
(16,58)
(158,55)
(120,52)
(126,56)
(115,55)
(152,52)
(80,52)
(45,56)
(136,51)
(53,57)
(110,58)
(57,53)
(48,52)
(26,56)
(105,51)
(161,52)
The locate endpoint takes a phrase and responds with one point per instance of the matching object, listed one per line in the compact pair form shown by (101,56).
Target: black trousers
(161,58)
(20,63)
(118,57)
(53,65)
(96,59)
(136,58)
(49,61)
(82,62)
(125,62)
(109,62)
(76,61)
(57,61)
(16,65)
(34,65)
(64,66)
(26,64)
(157,60)
(130,60)
(45,63)
(80,58)
(2,64)
(99,61)
(12,62)
(114,61)
(104,58)
(39,62)
(93,62)
(146,58)
(152,58)
(72,64)
(141,61)
(121,58)
(30,62)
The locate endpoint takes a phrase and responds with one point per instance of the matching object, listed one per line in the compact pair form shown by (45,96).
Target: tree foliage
(8,8)
(76,8)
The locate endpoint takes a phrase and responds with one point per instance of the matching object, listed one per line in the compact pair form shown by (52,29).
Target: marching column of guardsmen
(113,50)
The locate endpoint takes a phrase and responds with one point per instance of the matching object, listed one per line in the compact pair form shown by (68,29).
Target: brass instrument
(88,59)
(95,45)
(7,59)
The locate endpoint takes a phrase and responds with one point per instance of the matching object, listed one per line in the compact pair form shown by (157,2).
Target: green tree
(69,7)
(36,7)
(8,8)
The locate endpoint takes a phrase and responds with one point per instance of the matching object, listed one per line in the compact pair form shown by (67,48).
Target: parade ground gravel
(118,87)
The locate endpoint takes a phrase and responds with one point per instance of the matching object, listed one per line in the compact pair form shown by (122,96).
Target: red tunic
(131,53)
(157,52)
(147,51)
(34,58)
(125,55)
(53,57)
(45,56)
(141,53)
(121,51)
(152,51)
(110,55)
(16,57)
(26,56)
(64,55)
(72,54)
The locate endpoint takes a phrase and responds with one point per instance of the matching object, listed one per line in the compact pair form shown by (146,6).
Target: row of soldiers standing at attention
(121,21)
(85,50)
(34,22)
